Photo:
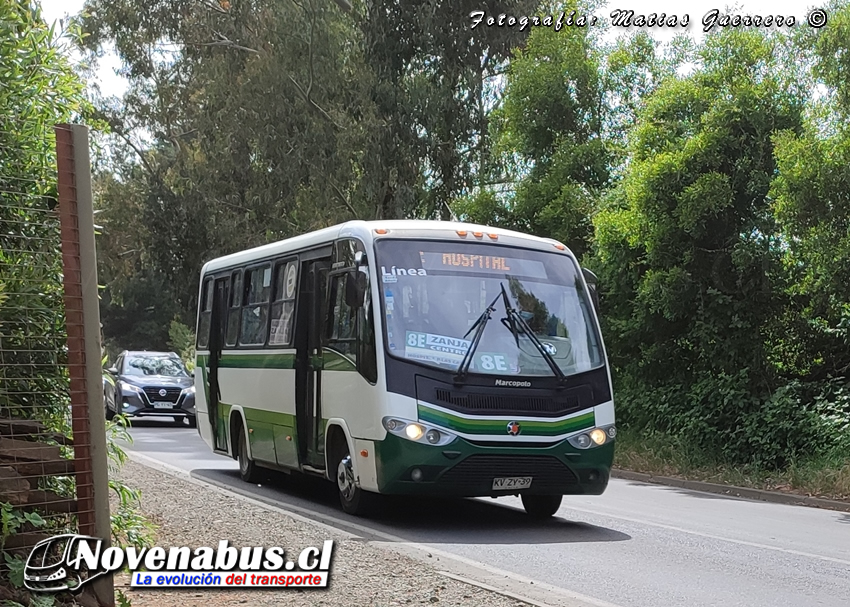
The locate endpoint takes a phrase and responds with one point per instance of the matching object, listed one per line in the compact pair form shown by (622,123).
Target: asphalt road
(637,545)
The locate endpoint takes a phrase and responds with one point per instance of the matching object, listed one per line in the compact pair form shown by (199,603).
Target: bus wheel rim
(345,478)
(243,456)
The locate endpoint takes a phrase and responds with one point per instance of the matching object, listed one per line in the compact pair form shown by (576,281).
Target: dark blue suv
(150,384)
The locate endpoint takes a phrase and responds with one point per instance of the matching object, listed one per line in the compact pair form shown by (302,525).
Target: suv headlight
(418,432)
(125,387)
(189,390)
(594,437)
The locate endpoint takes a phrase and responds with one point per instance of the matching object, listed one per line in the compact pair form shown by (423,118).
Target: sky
(113,84)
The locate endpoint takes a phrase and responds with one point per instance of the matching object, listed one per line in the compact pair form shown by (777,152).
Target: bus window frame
(231,307)
(283,262)
(207,294)
(331,321)
(243,298)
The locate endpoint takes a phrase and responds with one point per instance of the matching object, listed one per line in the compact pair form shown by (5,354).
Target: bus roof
(404,228)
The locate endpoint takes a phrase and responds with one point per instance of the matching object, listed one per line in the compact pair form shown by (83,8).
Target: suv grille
(172,395)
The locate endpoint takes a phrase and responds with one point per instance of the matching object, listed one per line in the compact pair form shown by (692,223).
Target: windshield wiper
(513,319)
(478,327)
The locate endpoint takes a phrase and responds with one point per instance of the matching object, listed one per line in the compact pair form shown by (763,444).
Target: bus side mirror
(359,259)
(592,286)
(355,289)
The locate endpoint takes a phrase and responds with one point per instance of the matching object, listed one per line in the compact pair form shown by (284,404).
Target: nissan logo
(162,392)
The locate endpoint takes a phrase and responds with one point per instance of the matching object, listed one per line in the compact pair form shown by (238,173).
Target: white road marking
(712,536)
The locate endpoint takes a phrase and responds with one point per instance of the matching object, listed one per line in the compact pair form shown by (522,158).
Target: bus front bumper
(464,469)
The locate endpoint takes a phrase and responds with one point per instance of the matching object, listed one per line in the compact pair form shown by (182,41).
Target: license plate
(511,483)
(163,405)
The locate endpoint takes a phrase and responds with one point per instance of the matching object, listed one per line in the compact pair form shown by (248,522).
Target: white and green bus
(408,357)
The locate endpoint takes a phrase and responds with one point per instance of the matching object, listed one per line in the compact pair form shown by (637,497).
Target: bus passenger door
(308,372)
(216,342)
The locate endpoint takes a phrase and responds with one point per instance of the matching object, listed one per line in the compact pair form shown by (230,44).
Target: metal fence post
(84,347)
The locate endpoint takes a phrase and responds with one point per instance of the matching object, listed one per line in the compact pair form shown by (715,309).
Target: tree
(690,256)
(435,74)
(247,123)
(38,89)
(812,193)
(569,99)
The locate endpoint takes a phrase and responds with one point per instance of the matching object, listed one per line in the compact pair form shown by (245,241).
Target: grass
(825,477)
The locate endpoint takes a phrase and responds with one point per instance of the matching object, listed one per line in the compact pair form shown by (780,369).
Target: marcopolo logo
(508,383)
(67,562)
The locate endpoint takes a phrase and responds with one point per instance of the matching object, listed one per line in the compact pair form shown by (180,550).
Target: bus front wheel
(541,506)
(352,498)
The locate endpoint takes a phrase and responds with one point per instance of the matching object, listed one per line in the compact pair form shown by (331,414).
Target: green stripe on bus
(257,361)
(275,418)
(330,361)
(489,426)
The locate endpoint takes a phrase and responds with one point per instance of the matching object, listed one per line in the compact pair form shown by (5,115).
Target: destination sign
(496,264)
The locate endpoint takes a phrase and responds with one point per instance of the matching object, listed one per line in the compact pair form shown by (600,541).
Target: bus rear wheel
(248,470)
(541,506)
(352,498)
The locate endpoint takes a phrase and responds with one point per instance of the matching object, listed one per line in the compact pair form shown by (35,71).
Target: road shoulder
(776,497)
(191,514)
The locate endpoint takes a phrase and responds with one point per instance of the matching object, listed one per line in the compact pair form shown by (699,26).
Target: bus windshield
(435,293)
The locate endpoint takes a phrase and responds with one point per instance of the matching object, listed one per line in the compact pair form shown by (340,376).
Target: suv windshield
(434,292)
(155,365)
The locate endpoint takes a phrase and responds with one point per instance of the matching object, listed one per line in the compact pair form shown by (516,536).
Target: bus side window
(235,301)
(206,312)
(255,308)
(352,332)
(342,334)
(283,308)
(367,358)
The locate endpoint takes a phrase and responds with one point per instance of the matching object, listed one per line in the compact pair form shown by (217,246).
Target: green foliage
(182,340)
(38,89)
(121,599)
(11,520)
(689,252)
(568,103)
(16,565)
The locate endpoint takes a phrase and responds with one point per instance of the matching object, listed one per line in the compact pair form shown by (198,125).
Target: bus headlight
(418,432)
(593,438)
(598,436)
(433,436)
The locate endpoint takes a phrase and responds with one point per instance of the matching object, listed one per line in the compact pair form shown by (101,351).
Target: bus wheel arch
(342,471)
(240,448)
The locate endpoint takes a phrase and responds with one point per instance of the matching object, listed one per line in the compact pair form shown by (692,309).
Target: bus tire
(541,506)
(248,470)
(352,498)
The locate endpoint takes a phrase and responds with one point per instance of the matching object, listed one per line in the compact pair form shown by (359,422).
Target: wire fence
(46,482)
